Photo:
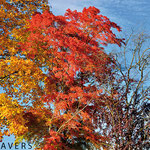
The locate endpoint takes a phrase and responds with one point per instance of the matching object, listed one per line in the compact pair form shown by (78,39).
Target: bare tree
(125,118)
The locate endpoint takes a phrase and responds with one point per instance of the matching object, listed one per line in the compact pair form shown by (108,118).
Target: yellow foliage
(19,76)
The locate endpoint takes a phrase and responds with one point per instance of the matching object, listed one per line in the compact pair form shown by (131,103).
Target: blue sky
(129,14)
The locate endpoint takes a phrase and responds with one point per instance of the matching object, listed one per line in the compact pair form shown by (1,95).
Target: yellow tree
(13,19)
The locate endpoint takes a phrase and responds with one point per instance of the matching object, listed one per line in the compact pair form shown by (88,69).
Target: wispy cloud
(59,6)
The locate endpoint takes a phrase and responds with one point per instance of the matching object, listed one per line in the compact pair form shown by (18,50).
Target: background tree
(126,117)
(52,87)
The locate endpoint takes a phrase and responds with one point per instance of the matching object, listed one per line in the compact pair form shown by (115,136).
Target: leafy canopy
(53,79)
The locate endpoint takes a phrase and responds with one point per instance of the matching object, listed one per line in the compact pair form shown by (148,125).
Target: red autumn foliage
(71,50)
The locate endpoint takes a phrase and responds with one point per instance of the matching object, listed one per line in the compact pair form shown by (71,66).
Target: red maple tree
(69,67)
